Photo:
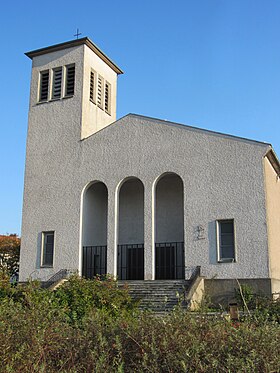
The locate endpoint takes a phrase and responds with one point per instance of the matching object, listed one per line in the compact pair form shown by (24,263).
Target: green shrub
(92,326)
(78,297)
(263,308)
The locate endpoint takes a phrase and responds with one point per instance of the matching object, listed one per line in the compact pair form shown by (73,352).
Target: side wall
(223,178)
(272,188)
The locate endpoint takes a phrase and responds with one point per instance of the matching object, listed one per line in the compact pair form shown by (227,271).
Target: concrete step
(159,296)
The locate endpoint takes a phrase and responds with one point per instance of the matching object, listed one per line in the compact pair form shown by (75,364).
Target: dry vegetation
(91,326)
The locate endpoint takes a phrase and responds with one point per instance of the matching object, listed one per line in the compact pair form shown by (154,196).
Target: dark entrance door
(131,262)
(94,261)
(170,261)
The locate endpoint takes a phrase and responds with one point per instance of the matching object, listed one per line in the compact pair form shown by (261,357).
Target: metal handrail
(60,275)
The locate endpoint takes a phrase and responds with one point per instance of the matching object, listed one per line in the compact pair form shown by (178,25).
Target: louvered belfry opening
(107,97)
(92,86)
(57,83)
(70,80)
(44,87)
(100,92)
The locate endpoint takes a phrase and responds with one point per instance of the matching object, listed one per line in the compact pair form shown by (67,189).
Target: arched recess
(169,227)
(130,264)
(94,230)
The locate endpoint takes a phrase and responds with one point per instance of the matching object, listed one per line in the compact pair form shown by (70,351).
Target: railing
(170,261)
(94,261)
(60,275)
(131,262)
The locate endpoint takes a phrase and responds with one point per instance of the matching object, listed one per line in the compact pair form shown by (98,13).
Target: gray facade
(137,181)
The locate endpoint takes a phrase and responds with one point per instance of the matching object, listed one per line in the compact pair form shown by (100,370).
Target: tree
(9,253)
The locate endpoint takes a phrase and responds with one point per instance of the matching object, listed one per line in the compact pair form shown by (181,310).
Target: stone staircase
(159,295)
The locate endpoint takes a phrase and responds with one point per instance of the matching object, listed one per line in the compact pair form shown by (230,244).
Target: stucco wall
(272,184)
(222,176)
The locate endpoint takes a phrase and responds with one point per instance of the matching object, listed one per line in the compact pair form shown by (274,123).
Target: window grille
(100,92)
(57,83)
(70,80)
(92,86)
(107,98)
(44,85)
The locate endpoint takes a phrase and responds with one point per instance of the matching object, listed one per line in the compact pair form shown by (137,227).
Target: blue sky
(213,64)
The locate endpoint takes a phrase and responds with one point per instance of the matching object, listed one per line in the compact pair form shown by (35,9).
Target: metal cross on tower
(78,33)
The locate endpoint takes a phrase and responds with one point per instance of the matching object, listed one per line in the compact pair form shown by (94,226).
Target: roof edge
(187,126)
(74,43)
(273,159)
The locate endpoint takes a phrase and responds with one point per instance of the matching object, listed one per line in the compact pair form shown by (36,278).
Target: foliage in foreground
(9,253)
(262,307)
(91,326)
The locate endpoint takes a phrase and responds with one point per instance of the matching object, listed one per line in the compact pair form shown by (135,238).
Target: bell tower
(74,76)
(72,96)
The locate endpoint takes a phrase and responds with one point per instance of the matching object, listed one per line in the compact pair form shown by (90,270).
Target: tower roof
(74,43)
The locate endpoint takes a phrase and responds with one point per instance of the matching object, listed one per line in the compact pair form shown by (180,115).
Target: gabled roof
(270,154)
(196,129)
(73,43)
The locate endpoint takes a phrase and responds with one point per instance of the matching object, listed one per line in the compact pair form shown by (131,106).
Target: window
(92,90)
(100,88)
(107,101)
(70,80)
(57,83)
(100,92)
(47,248)
(44,85)
(62,83)
(225,240)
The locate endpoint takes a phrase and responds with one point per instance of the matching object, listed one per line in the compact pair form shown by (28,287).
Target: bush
(263,308)
(78,297)
(92,326)
(9,253)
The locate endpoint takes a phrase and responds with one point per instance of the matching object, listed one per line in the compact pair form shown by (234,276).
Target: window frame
(220,258)
(43,248)
(63,91)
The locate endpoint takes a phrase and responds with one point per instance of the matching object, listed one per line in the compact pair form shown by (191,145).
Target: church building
(139,198)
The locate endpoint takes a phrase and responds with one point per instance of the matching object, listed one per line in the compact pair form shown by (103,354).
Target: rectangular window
(47,248)
(100,89)
(92,89)
(57,83)
(44,85)
(70,80)
(107,101)
(225,240)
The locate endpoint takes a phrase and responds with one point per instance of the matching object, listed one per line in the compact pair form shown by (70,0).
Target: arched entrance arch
(94,229)
(130,261)
(169,227)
